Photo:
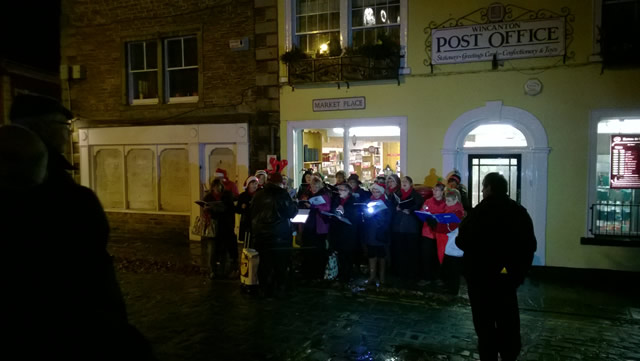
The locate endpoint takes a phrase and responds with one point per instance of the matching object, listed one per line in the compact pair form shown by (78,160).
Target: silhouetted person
(271,211)
(64,299)
(499,243)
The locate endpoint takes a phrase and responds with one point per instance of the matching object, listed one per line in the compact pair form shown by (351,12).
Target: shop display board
(625,153)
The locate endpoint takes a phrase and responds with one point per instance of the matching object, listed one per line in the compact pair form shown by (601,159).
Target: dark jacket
(361,195)
(271,211)
(343,236)
(224,214)
(376,226)
(402,222)
(243,208)
(496,234)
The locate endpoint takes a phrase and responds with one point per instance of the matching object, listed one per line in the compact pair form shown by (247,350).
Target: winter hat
(221,173)
(249,180)
(355,177)
(261,172)
(455,177)
(377,186)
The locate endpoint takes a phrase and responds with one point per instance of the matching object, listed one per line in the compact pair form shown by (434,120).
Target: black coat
(271,211)
(343,236)
(224,214)
(376,226)
(496,234)
(402,222)
(243,208)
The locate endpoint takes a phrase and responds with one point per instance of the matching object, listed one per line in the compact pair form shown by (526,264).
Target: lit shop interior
(365,151)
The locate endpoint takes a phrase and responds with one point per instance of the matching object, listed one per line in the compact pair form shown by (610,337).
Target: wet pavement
(565,315)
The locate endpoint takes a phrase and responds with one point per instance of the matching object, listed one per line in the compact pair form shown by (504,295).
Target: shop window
(616,210)
(141,181)
(365,151)
(174,195)
(109,178)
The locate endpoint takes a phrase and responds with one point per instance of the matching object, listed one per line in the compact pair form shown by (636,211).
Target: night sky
(31,33)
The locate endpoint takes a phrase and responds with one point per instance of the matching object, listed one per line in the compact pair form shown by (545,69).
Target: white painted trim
(296,126)
(534,158)
(189,137)
(595,117)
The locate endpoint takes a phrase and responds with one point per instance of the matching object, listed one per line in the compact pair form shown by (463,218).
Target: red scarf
(406,194)
(392,190)
(343,200)
(382,197)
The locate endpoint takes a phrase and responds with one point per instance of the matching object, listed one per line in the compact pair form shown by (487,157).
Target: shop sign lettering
(324,105)
(511,40)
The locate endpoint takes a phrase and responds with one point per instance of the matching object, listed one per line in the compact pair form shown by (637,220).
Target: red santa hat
(221,173)
(377,186)
(249,180)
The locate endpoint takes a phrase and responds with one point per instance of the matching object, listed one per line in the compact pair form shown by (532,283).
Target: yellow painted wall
(431,102)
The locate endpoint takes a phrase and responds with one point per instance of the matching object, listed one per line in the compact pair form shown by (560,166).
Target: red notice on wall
(625,156)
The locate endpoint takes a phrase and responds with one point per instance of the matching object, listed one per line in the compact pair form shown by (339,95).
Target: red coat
(433,206)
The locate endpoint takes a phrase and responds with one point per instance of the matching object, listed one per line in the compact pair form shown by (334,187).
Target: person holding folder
(343,232)
(315,230)
(405,228)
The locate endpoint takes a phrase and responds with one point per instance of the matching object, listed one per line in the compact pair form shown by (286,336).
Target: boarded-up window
(141,183)
(175,195)
(108,177)
(223,158)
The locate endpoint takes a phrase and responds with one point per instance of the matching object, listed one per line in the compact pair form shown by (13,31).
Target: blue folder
(439,217)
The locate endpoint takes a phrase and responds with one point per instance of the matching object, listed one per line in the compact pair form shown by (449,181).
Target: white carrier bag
(249,262)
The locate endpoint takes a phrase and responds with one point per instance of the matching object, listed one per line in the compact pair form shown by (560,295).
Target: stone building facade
(154,67)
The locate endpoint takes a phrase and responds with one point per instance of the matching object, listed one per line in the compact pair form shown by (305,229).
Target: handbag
(331,271)
(204,227)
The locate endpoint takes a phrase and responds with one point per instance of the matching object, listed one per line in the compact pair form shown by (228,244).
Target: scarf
(344,200)
(392,190)
(406,194)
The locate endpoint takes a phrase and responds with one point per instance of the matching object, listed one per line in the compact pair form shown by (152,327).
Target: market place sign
(507,40)
(325,105)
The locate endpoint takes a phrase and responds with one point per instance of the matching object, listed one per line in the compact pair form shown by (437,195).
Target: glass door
(509,165)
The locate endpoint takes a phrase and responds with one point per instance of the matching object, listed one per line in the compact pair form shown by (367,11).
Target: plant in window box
(300,70)
(327,62)
(373,61)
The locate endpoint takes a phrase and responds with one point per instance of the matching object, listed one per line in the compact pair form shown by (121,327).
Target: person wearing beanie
(228,184)
(454,181)
(393,185)
(262,177)
(359,193)
(271,213)
(224,250)
(243,207)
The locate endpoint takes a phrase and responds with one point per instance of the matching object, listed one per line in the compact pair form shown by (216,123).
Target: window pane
(174,166)
(323,21)
(356,17)
(393,33)
(312,7)
(302,42)
(144,84)
(109,174)
(495,135)
(334,21)
(323,6)
(183,83)
(313,43)
(301,7)
(393,15)
(381,15)
(141,179)
(357,4)
(369,36)
(174,53)
(136,56)
(152,55)
(190,51)
(334,5)
(358,38)
(301,24)
(369,2)
(312,22)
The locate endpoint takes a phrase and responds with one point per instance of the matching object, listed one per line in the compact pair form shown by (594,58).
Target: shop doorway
(509,165)
(496,130)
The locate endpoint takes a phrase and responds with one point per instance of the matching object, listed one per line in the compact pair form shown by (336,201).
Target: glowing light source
(324,48)
(369,17)
(383,16)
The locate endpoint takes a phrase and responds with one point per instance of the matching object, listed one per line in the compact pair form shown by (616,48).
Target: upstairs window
(142,67)
(181,69)
(317,25)
(620,32)
(176,57)
(372,19)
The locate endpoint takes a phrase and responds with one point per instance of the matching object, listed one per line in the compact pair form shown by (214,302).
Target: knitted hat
(249,180)
(377,186)
(455,177)
(261,172)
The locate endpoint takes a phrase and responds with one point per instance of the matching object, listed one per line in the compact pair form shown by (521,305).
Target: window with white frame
(373,19)
(179,64)
(181,72)
(316,25)
(142,69)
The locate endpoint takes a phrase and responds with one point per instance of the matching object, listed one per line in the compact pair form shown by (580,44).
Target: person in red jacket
(430,264)
(228,185)
(452,261)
